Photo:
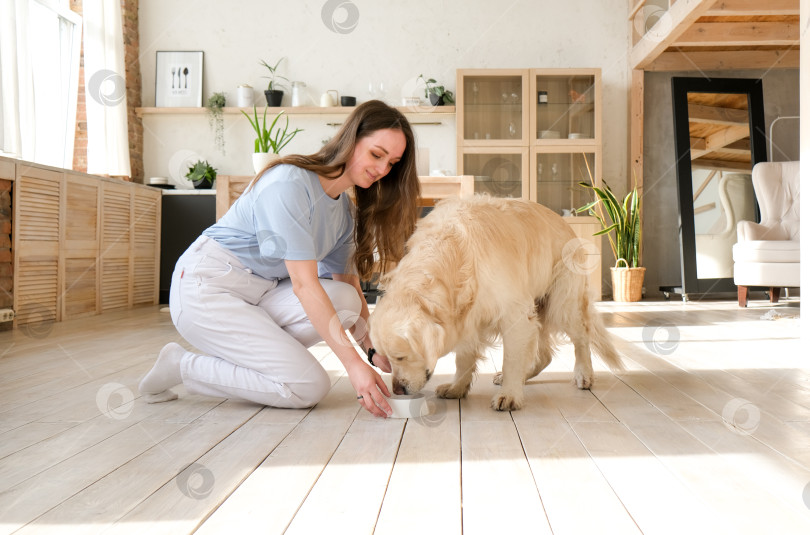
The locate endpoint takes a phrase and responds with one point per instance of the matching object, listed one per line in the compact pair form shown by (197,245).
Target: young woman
(280,272)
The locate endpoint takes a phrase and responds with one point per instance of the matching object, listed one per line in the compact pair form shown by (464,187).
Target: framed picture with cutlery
(178,79)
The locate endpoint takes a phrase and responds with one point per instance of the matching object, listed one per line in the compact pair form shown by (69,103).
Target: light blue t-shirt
(286,215)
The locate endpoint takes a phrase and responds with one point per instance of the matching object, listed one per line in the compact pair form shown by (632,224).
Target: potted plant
(202,175)
(275,89)
(269,141)
(437,94)
(215,104)
(622,225)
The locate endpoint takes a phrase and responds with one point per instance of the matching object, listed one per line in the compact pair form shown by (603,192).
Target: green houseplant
(215,104)
(269,141)
(202,175)
(275,88)
(621,223)
(437,94)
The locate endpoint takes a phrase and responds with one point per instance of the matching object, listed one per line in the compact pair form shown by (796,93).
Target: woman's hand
(371,386)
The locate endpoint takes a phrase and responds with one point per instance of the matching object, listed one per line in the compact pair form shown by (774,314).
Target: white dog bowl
(406,406)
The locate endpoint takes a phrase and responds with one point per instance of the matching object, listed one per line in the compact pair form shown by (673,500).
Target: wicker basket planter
(621,223)
(627,283)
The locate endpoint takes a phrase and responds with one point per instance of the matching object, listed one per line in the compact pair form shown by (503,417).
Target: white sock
(166,395)
(164,374)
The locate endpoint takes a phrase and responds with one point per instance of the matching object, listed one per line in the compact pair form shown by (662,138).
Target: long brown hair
(388,210)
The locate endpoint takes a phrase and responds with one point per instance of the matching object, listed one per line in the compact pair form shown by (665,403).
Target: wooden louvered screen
(80,251)
(82,245)
(37,231)
(145,248)
(116,227)
(81,276)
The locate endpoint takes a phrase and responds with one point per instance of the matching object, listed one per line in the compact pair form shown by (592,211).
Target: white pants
(254,332)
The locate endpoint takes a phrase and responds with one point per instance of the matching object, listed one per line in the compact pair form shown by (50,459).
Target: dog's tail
(601,342)
(571,304)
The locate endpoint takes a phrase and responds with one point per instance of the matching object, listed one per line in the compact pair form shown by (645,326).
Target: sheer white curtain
(39,62)
(16,82)
(105,89)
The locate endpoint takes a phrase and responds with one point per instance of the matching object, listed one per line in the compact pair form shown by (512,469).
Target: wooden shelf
(297,110)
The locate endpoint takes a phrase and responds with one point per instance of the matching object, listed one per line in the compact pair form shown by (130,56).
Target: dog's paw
(505,402)
(498,379)
(452,391)
(583,380)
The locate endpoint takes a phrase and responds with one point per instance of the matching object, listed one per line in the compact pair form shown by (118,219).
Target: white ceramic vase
(244,96)
(262,159)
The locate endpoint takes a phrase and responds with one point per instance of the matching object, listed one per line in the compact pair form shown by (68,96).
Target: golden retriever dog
(481,268)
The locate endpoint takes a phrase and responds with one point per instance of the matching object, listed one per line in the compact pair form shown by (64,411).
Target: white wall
(392,42)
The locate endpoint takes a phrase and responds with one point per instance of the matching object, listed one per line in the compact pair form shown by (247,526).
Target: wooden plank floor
(708,431)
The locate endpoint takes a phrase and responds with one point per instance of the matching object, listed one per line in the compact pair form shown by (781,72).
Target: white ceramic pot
(244,96)
(262,160)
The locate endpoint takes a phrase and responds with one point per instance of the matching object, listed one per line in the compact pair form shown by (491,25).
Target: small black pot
(273,97)
(202,184)
(436,100)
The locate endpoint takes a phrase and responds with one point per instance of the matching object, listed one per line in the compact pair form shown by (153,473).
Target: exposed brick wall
(129,15)
(132,53)
(6,258)
(80,140)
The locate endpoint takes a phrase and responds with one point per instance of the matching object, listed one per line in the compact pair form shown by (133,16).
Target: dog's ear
(434,342)
(428,340)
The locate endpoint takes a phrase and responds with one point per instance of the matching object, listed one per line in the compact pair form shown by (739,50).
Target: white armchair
(713,249)
(767,254)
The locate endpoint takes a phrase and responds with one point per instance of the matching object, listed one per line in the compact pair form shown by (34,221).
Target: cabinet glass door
(557,180)
(565,107)
(497,174)
(493,108)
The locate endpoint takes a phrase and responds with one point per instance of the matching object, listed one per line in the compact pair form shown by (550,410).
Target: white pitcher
(327,100)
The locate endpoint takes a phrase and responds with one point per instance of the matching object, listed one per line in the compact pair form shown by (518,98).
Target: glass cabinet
(553,116)
(498,172)
(495,111)
(556,175)
(564,106)
(534,134)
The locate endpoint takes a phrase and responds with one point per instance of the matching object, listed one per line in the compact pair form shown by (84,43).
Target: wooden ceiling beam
(734,152)
(726,137)
(720,60)
(722,152)
(743,8)
(720,141)
(743,144)
(667,30)
(721,165)
(740,34)
(701,113)
(697,143)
